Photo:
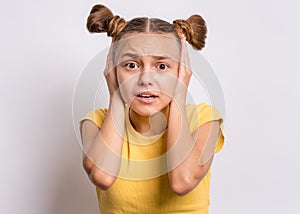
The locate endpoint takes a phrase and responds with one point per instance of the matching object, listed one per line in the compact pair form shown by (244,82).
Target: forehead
(142,44)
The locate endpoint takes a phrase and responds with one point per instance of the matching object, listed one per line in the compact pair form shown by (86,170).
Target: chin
(147,110)
(143,111)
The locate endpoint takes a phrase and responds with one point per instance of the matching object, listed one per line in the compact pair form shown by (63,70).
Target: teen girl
(150,152)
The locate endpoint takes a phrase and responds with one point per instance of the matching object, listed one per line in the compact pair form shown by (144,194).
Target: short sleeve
(203,113)
(97,116)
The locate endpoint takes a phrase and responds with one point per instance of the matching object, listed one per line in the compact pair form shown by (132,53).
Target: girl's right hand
(110,74)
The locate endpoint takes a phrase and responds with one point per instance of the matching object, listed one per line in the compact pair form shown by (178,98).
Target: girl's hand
(184,73)
(110,74)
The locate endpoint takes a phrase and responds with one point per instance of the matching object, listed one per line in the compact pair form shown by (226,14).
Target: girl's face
(147,68)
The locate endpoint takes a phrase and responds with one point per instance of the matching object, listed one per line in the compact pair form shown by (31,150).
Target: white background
(253,47)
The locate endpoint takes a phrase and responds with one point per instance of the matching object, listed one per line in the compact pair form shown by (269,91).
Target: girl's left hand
(184,73)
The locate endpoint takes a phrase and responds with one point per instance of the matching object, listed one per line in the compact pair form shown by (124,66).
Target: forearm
(106,149)
(184,170)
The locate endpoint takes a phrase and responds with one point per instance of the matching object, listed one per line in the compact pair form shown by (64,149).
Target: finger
(184,70)
(182,67)
(184,58)
(109,61)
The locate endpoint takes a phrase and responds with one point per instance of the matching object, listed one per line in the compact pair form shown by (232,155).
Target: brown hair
(101,19)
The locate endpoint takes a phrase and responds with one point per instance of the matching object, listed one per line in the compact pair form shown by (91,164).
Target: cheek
(168,84)
(127,84)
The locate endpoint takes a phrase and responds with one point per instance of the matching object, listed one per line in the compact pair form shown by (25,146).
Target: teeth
(146,96)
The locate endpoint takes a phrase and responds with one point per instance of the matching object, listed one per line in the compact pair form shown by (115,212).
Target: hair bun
(101,19)
(183,27)
(194,29)
(115,26)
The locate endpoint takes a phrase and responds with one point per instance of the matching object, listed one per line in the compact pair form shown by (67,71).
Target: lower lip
(146,100)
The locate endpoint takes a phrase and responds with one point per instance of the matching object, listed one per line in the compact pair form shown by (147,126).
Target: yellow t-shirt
(143,185)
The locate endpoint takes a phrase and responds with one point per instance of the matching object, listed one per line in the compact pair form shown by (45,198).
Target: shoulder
(204,113)
(97,116)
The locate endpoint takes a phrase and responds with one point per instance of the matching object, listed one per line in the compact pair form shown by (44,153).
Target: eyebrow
(131,55)
(134,55)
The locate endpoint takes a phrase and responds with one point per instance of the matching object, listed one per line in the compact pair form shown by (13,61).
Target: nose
(146,78)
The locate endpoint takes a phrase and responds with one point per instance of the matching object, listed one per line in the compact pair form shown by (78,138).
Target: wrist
(180,99)
(116,99)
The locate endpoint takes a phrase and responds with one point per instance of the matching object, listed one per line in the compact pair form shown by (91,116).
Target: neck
(150,125)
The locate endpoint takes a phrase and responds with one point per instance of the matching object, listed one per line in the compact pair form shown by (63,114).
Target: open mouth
(146,94)
(146,97)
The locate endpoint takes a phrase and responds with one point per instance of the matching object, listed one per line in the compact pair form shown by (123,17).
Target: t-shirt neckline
(135,136)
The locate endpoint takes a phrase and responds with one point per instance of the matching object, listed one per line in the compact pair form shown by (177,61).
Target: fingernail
(182,38)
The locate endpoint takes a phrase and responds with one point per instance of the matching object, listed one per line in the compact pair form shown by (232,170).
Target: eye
(131,65)
(162,66)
